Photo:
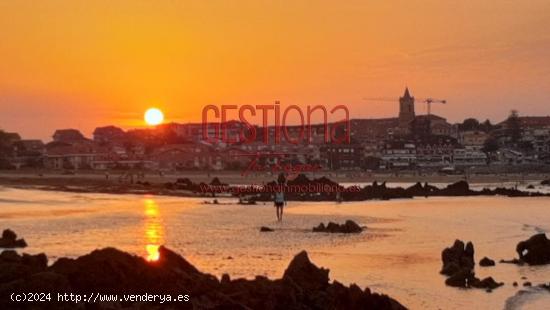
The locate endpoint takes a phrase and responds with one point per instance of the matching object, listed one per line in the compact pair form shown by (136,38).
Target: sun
(153,116)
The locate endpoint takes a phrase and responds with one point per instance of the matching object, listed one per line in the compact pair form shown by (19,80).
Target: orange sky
(88,63)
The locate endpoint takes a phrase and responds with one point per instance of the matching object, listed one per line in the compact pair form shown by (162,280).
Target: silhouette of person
(279,204)
(279,199)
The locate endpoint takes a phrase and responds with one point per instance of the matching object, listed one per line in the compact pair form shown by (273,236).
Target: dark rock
(10,256)
(422,190)
(14,266)
(535,250)
(36,263)
(305,274)
(457,258)
(514,261)
(461,278)
(8,234)
(216,182)
(530,186)
(45,281)
(265,229)
(487,283)
(515,283)
(225,279)
(527,283)
(460,188)
(458,264)
(303,285)
(349,227)
(9,240)
(545,182)
(486,262)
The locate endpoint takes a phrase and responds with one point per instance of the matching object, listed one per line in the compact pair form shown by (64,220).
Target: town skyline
(140,123)
(407,140)
(80,65)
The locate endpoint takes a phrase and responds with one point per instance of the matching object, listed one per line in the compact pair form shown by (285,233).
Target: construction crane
(427,101)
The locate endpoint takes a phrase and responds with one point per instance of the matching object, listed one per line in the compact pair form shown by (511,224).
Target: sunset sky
(83,64)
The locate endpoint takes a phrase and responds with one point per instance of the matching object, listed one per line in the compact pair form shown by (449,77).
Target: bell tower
(406,109)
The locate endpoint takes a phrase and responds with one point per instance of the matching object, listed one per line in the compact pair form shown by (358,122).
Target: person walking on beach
(279,204)
(279,199)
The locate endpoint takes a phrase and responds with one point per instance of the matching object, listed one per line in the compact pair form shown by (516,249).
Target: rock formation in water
(349,227)
(458,257)
(9,240)
(535,250)
(486,262)
(458,265)
(110,271)
(325,189)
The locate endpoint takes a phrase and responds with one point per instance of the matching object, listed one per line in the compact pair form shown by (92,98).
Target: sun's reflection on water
(154,230)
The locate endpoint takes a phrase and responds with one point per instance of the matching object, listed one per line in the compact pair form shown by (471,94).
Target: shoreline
(235,177)
(160,184)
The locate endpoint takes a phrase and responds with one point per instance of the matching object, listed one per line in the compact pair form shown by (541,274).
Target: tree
(491,145)
(513,125)
(5,144)
(469,124)
(486,126)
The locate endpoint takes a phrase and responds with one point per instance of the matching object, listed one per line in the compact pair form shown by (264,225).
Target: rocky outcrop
(457,258)
(325,189)
(513,261)
(535,250)
(422,190)
(458,265)
(349,227)
(9,240)
(460,188)
(303,285)
(486,262)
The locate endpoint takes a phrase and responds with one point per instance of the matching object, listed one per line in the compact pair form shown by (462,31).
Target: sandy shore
(235,177)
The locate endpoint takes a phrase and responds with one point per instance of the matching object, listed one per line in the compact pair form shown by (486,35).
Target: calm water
(399,254)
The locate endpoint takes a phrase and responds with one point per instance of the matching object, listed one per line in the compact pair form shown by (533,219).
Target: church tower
(406,109)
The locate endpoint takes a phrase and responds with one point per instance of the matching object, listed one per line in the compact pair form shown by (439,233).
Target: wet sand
(398,254)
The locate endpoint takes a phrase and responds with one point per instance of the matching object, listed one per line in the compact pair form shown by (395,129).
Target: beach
(398,254)
(119,183)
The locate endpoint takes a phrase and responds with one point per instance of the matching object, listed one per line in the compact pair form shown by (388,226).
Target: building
(406,111)
(73,156)
(430,125)
(68,136)
(398,155)
(373,129)
(187,156)
(434,155)
(469,157)
(109,134)
(473,138)
(534,121)
(342,156)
